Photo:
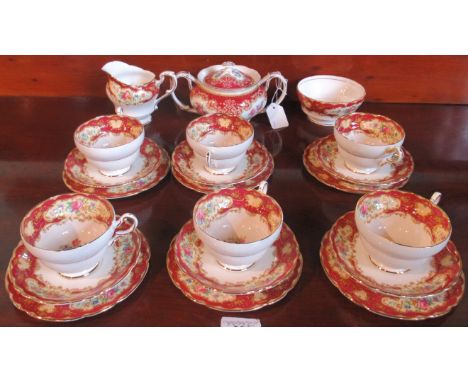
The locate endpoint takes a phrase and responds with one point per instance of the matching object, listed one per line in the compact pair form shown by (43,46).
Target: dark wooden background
(36,135)
(412,79)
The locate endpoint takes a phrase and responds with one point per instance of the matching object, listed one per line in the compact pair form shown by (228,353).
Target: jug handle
(190,80)
(172,87)
(283,86)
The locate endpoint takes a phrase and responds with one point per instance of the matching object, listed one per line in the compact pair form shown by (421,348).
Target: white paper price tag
(240,322)
(276,116)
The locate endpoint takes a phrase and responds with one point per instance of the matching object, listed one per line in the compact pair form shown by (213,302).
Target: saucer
(317,169)
(388,174)
(440,274)
(404,308)
(77,168)
(37,282)
(75,164)
(256,167)
(225,302)
(88,307)
(272,269)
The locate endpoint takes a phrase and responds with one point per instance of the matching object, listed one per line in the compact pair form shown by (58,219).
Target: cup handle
(119,221)
(435,198)
(172,87)
(395,157)
(190,81)
(208,159)
(262,187)
(282,87)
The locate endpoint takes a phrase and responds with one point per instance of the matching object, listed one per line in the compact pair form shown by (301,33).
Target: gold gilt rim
(128,294)
(278,282)
(150,185)
(293,284)
(362,190)
(417,318)
(390,294)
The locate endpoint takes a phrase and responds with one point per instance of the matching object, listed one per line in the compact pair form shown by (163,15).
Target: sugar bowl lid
(229,76)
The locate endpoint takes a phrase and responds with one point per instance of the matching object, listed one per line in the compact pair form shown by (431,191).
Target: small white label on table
(277,116)
(240,322)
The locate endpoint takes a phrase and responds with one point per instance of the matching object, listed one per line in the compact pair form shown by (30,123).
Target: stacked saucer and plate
(393,256)
(364,154)
(76,259)
(236,254)
(220,152)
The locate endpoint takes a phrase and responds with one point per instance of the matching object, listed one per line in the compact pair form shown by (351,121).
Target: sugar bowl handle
(190,80)
(435,198)
(120,221)
(282,87)
(172,87)
(262,187)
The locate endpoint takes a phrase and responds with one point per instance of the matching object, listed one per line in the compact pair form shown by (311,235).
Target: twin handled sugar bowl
(230,89)
(135,91)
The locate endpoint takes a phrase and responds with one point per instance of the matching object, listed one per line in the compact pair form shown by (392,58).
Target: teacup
(111,143)
(401,230)
(367,141)
(238,225)
(220,141)
(70,232)
(324,98)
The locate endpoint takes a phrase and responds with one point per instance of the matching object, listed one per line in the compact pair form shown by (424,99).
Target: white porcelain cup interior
(401,230)
(110,143)
(236,232)
(68,231)
(331,89)
(221,140)
(367,141)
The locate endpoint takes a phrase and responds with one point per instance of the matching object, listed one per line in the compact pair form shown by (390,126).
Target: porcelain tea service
(325,98)
(230,89)
(393,256)
(110,143)
(69,232)
(134,91)
(367,141)
(401,230)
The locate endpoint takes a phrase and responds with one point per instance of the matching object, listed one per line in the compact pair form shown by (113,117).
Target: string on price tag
(275,112)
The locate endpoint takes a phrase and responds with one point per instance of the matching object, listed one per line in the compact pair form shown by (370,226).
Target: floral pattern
(157,174)
(29,281)
(212,206)
(61,208)
(188,253)
(329,109)
(89,132)
(446,265)
(382,203)
(327,150)
(382,128)
(244,106)
(260,167)
(316,167)
(123,94)
(229,77)
(77,168)
(97,304)
(405,308)
(200,127)
(217,300)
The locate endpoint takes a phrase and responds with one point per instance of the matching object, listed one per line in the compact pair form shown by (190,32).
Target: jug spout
(128,74)
(113,68)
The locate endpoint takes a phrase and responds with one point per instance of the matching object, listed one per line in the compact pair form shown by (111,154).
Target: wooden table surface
(36,135)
